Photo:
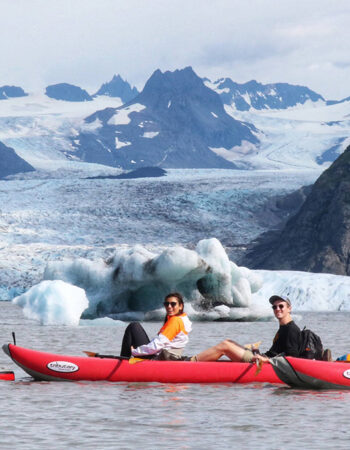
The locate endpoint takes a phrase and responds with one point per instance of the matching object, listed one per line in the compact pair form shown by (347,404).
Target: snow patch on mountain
(121,116)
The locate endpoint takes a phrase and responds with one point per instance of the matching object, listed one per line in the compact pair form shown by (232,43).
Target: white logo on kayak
(346,374)
(62,366)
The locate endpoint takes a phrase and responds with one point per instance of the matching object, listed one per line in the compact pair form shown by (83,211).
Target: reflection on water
(150,415)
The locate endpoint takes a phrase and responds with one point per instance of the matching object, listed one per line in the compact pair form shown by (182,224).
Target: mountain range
(117,87)
(254,95)
(175,122)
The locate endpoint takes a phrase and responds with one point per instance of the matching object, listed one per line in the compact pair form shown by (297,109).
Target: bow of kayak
(312,374)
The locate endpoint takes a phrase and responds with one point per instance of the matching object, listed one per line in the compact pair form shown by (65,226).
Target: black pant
(134,335)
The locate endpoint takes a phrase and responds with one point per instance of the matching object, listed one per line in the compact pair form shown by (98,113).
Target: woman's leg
(134,336)
(227,347)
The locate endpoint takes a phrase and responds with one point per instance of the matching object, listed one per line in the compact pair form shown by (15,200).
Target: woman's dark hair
(180,300)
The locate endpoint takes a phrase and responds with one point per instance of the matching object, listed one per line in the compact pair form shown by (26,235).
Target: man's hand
(260,359)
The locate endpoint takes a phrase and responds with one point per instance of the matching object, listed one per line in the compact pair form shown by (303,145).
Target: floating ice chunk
(241,292)
(53,303)
(224,282)
(133,282)
(176,263)
(102,322)
(255,280)
(214,254)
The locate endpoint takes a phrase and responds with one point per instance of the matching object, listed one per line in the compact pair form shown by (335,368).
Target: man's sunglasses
(281,306)
(172,304)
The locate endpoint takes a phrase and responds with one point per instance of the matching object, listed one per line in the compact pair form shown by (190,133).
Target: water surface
(38,415)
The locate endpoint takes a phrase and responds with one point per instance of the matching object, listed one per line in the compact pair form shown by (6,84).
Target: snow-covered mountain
(118,87)
(254,95)
(175,122)
(67,92)
(49,134)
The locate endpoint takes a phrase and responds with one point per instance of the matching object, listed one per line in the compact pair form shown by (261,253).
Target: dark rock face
(67,92)
(118,87)
(263,96)
(179,121)
(11,91)
(317,238)
(11,163)
(142,172)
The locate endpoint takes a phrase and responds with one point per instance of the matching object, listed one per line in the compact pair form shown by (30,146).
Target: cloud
(85,42)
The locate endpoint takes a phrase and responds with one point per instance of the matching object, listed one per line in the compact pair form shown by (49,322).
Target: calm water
(38,415)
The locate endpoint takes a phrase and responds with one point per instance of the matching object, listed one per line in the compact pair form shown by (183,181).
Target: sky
(86,42)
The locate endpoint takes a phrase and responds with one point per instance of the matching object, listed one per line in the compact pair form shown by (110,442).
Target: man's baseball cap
(282,298)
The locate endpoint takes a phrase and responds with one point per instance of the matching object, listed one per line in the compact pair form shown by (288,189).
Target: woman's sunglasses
(281,306)
(172,304)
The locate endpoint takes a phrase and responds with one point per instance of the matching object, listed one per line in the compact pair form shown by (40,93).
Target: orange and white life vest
(173,334)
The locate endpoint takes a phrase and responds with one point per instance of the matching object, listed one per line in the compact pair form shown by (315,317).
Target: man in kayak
(171,339)
(286,340)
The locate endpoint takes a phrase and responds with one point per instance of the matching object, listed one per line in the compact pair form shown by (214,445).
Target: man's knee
(247,356)
(225,345)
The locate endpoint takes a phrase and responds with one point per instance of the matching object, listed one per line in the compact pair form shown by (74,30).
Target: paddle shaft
(99,355)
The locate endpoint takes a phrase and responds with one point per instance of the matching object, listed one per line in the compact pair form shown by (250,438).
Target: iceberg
(53,303)
(132,284)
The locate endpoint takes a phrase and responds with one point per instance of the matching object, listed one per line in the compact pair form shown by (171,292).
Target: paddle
(99,355)
(132,359)
(255,349)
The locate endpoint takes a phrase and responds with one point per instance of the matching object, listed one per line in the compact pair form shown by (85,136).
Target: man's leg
(229,348)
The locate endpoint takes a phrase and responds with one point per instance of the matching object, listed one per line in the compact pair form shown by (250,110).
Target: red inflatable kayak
(53,367)
(312,374)
(7,375)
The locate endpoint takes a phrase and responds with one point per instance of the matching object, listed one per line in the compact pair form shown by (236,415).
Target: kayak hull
(53,367)
(312,374)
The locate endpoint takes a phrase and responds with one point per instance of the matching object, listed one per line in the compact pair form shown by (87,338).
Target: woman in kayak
(171,339)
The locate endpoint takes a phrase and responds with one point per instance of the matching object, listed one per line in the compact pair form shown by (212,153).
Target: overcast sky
(86,42)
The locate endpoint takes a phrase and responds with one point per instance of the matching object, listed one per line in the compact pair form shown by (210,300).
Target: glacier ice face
(134,282)
(53,303)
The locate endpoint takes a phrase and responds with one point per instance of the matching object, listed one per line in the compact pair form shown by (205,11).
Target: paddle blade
(254,346)
(259,365)
(90,354)
(134,360)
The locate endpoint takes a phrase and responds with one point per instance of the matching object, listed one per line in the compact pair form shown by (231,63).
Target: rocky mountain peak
(118,87)
(317,238)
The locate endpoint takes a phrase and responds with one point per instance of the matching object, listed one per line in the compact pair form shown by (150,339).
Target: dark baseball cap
(282,298)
